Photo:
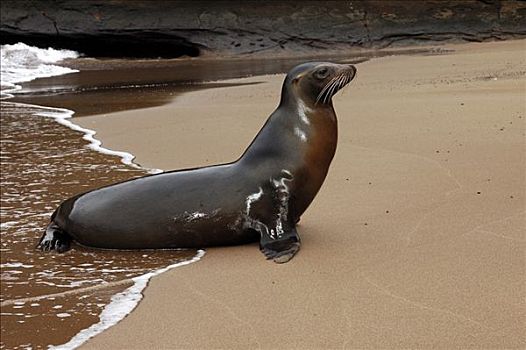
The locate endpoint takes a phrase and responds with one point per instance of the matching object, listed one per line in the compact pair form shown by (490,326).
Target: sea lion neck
(294,130)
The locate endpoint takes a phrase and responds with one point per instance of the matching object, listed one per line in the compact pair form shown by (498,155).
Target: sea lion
(261,196)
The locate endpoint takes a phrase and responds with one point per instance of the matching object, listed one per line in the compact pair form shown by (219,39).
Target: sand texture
(416,240)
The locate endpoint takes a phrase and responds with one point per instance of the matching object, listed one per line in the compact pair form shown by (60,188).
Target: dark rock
(154,28)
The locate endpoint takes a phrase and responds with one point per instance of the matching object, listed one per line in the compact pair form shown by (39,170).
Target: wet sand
(416,240)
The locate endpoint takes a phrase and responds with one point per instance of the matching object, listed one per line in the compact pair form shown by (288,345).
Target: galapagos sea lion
(260,196)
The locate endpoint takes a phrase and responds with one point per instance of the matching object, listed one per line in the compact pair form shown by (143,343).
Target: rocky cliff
(154,28)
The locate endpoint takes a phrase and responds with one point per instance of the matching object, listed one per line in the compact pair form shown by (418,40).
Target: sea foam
(22,63)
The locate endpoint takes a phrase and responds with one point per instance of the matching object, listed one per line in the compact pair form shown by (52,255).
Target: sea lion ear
(297,78)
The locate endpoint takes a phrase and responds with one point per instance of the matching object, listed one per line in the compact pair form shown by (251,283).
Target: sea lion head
(315,83)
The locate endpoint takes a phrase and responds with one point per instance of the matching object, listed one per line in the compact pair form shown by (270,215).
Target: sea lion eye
(322,73)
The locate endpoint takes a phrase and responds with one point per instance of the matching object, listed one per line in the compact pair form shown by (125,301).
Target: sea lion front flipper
(282,248)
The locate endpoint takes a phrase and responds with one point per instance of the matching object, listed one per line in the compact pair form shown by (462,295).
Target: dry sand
(416,240)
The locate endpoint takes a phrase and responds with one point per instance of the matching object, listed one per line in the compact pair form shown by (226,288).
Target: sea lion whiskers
(331,91)
(341,83)
(338,85)
(333,86)
(322,92)
(325,88)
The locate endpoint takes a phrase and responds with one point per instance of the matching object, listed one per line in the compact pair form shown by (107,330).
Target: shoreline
(121,304)
(422,224)
(117,86)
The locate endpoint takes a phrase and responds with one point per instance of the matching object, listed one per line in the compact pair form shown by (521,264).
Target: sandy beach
(416,240)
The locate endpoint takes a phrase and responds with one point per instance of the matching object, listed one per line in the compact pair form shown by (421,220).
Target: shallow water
(47,298)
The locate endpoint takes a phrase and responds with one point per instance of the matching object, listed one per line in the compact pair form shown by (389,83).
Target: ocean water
(49,299)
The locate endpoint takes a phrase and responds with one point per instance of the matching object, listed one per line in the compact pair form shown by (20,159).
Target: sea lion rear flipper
(54,239)
(280,248)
